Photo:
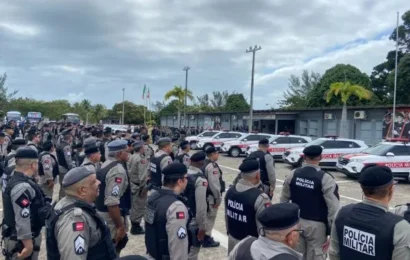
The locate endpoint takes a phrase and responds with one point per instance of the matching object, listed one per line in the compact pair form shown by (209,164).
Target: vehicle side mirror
(274,142)
(245,140)
(390,154)
(200,135)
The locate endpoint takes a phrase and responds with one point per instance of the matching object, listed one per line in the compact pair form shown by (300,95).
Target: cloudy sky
(76,49)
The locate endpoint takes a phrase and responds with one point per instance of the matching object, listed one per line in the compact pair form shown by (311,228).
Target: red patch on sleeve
(215,171)
(181,215)
(142,161)
(205,183)
(47,161)
(268,204)
(78,226)
(25,202)
(118,180)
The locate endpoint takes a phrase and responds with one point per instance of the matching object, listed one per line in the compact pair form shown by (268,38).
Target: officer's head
(93,154)
(184,145)
(9,129)
(34,137)
(118,149)
(198,159)
(26,161)
(81,182)
(138,147)
(313,154)
(280,223)
(2,138)
(250,170)
(68,138)
(48,146)
(175,177)
(377,183)
(165,144)
(46,127)
(146,139)
(212,154)
(263,145)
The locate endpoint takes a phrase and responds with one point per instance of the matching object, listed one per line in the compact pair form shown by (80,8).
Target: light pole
(123,104)
(395,78)
(186,68)
(253,50)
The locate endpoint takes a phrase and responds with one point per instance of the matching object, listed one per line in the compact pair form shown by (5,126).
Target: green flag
(143,92)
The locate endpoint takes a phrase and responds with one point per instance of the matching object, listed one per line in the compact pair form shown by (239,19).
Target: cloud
(75,97)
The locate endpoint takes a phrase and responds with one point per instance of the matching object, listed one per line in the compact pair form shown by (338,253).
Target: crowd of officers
(109,183)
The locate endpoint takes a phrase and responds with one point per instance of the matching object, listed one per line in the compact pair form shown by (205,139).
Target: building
(368,123)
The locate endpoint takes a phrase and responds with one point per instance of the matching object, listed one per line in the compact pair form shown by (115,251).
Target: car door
(278,146)
(399,163)
(332,149)
(252,139)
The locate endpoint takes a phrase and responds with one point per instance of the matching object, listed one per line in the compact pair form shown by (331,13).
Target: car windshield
(316,142)
(209,134)
(380,149)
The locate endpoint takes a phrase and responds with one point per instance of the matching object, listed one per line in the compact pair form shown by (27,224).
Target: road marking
(221,238)
(338,182)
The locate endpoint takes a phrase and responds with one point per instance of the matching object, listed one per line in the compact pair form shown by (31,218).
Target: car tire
(193,145)
(298,164)
(206,146)
(234,152)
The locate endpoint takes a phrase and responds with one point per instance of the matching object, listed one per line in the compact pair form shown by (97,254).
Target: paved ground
(349,190)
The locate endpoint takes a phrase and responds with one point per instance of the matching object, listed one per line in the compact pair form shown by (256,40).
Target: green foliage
(403,81)
(5,96)
(236,102)
(345,90)
(134,114)
(404,33)
(178,93)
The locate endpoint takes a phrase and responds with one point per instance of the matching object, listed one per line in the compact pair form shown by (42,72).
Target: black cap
(279,216)
(249,165)
(374,176)
(210,150)
(47,145)
(19,142)
(174,139)
(198,156)
(164,141)
(132,257)
(183,144)
(75,175)
(107,130)
(91,149)
(264,141)
(313,150)
(145,137)
(26,153)
(175,170)
(388,113)
(2,134)
(182,132)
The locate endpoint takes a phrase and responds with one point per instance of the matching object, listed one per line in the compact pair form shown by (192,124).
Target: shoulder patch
(181,233)
(115,191)
(180,215)
(205,184)
(47,161)
(25,213)
(78,226)
(268,204)
(23,201)
(143,161)
(118,180)
(215,171)
(79,245)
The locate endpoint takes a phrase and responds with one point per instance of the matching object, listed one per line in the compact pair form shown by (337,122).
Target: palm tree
(345,90)
(98,112)
(178,93)
(86,105)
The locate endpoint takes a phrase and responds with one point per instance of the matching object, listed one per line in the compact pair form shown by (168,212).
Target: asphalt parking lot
(349,190)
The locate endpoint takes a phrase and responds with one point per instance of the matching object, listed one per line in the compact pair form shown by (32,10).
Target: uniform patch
(47,167)
(181,233)
(267,205)
(205,184)
(79,245)
(215,171)
(118,180)
(181,215)
(23,201)
(78,226)
(25,213)
(68,153)
(115,191)
(143,161)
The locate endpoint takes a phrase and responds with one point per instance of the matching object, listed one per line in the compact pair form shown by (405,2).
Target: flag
(143,92)
(148,94)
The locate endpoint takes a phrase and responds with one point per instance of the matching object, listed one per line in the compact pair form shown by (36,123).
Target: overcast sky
(76,49)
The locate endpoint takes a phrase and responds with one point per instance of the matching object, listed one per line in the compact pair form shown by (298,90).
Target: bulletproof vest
(262,165)
(155,168)
(125,200)
(56,171)
(172,154)
(102,150)
(49,135)
(103,250)
(244,252)
(365,232)
(180,158)
(155,218)
(37,205)
(80,159)
(306,191)
(407,213)
(61,157)
(8,170)
(189,192)
(221,181)
(240,212)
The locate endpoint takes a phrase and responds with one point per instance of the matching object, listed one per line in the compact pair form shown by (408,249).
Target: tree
(218,101)
(134,114)
(404,33)
(158,106)
(178,93)
(98,112)
(86,105)
(236,102)
(4,95)
(299,89)
(344,91)
(403,81)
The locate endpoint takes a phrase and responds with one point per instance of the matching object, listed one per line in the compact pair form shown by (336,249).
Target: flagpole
(149,105)
(395,76)
(143,96)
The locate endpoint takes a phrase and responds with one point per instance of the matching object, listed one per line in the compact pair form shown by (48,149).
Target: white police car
(280,144)
(217,140)
(333,148)
(193,140)
(391,153)
(237,147)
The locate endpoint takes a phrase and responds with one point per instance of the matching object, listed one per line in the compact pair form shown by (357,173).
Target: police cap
(75,175)
(210,150)
(174,139)
(183,144)
(313,150)
(90,141)
(145,137)
(117,145)
(138,145)
(26,153)
(198,156)
(174,170)
(249,165)
(130,142)
(47,145)
(2,135)
(91,149)
(279,216)
(19,142)
(264,141)
(164,141)
(374,176)
(135,135)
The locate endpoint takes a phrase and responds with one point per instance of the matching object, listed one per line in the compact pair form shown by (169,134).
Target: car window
(282,140)
(224,135)
(297,140)
(237,135)
(400,150)
(252,138)
(264,137)
(208,134)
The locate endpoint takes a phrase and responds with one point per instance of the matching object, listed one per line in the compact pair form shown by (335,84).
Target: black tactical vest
(103,250)
(156,237)
(125,200)
(365,232)
(407,213)
(156,173)
(262,165)
(306,191)
(8,170)
(221,181)
(240,212)
(102,150)
(244,252)
(189,192)
(38,206)
(180,158)
(61,157)
(56,171)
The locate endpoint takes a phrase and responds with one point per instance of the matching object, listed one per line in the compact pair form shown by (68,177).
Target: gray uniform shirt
(74,229)
(401,237)
(186,159)
(148,151)
(138,169)
(32,145)
(201,186)
(48,164)
(116,183)
(68,156)
(92,166)
(164,162)
(212,173)
(270,167)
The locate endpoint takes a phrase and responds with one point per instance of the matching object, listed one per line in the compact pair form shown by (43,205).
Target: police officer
(24,207)
(103,145)
(138,171)
(161,159)
(316,193)
(266,164)
(92,157)
(114,200)
(403,210)
(33,141)
(166,217)
(10,162)
(195,193)
(48,168)
(47,134)
(64,156)
(183,156)
(279,236)
(216,186)
(8,132)
(367,230)
(174,148)
(75,230)
(3,152)
(243,203)
(148,151)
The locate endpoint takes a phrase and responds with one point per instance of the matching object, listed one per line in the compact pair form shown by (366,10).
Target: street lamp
(253,50)
(186,68)
(123,104)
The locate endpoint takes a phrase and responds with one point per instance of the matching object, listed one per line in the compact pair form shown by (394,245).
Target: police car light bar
(284,133)
(403,140)
(331,136)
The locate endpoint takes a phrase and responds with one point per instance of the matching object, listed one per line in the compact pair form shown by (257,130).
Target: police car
(393,153)
(280,144)
(193,140)
(333,148)
(217,140)
(237,147)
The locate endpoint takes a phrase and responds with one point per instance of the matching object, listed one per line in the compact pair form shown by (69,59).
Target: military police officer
(403,210)
(279,236)
(316,193)
(47,134)
(148,151)
(64,156)
(161,159)
(114,200)
(75,230)
(183,156)
(48,168)
(24,209)
(10,162)
(166,217)
(367,230)
(92,157)
(174,148)
(243,203)
(138,171)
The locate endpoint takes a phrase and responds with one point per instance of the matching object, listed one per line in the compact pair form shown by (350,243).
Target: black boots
(136,229)
(209,242)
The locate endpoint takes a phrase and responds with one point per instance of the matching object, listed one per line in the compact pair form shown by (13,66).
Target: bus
(34,117)
(71,117)
(13,115)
